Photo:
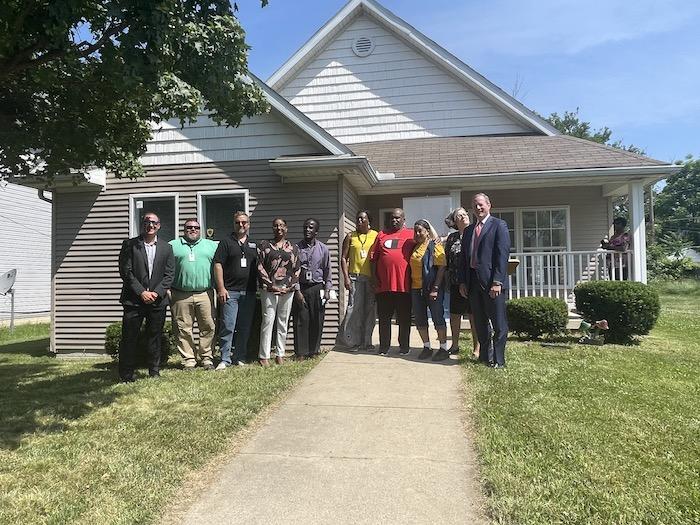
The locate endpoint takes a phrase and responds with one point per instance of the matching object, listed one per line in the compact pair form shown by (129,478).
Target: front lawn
(77,448)
(595,435)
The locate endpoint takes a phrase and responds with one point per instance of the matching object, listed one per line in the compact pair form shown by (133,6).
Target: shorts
(458,305)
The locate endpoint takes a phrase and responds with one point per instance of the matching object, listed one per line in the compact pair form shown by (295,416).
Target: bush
(113,339)
(537,316)
(661,267)
(630,308)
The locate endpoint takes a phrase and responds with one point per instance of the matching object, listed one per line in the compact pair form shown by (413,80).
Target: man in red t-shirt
(390,257)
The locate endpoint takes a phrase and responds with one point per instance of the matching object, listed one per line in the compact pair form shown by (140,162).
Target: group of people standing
(294,279)
(398,272)
(404,273)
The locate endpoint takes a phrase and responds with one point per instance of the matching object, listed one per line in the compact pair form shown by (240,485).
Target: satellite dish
(7,281)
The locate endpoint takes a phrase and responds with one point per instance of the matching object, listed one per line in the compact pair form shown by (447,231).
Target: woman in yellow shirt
(427,271)
(356,329)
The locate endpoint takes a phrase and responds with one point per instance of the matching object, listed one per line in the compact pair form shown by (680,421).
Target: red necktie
(475,244)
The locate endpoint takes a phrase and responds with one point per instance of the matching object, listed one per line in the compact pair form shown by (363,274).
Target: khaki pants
(186,308)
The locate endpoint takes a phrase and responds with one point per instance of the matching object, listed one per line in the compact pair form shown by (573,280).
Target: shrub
(662,267)
(536,316)
(630,308)
(113,338)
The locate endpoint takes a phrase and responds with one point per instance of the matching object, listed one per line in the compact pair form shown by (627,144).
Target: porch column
(638,230)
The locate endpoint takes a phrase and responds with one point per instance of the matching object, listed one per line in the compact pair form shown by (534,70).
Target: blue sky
(631,66)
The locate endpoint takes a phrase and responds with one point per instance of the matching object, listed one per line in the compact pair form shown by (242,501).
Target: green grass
(595,435)
(77,448)
(24,332)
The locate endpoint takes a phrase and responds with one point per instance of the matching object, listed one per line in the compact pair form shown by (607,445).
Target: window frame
(135,229)
(518,226)
(201,195)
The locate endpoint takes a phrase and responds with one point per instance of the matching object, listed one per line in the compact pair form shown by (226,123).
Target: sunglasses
(149,223)
(193,227)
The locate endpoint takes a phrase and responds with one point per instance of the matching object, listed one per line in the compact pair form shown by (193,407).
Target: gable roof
(464,156)
(301,121)
(422,44)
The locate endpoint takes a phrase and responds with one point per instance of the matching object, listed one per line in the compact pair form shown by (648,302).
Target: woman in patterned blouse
(459,306)
(278,270)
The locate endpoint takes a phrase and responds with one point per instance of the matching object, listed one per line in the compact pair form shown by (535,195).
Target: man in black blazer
(146,266)
(484,279)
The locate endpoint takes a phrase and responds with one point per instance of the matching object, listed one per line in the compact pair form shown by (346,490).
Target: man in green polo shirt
(193,296)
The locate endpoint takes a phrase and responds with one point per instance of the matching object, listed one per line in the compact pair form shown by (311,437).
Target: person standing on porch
(356,329)
(620,241)
(427,272)
(458,219)
(192,296)
(278,267)
(484,279)
(236,275)
(390,255)
(308,309)
(146,267)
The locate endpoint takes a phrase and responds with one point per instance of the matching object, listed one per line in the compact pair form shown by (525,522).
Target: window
(509,217)
(384,219)
(165,205)
(216,209)
(544,230)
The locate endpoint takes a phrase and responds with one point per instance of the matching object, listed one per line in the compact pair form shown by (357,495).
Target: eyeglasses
(193,227)
(149,223)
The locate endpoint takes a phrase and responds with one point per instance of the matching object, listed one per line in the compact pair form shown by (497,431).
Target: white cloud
(522,28)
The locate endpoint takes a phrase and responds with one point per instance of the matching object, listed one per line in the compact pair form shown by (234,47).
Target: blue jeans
(236,318)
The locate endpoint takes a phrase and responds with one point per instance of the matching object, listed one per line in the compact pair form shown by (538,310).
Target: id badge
(244,262)
(191,256)
(363,254)
(308,277)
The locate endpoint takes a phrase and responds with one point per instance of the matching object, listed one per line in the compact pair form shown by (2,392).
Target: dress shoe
(127,379)
(279,360)
(154,374)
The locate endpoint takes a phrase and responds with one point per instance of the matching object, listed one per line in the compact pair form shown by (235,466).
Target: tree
(82,81)
(678,205)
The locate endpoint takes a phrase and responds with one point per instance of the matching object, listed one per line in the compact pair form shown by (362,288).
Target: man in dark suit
(146,266)
(484,279)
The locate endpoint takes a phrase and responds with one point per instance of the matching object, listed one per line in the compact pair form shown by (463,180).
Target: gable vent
(363,46)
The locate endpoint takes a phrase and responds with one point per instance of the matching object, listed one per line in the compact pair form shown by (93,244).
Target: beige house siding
(394,93)
(257,138)
(588,209)
(26,248)
(91,227)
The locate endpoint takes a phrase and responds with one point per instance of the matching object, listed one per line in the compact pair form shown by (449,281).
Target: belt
(191,291)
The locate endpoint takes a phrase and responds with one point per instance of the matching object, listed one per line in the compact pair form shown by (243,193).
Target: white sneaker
(221,366)
(240,363)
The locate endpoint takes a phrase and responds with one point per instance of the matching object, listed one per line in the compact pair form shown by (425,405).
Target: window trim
(382,211)
(518,227)
(134,229)
(202,194)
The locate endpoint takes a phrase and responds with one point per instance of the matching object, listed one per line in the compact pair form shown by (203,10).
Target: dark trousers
(307,320)
(131,326)
(486,309)
(387,304)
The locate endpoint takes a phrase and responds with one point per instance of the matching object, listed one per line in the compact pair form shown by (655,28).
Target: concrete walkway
(363,439)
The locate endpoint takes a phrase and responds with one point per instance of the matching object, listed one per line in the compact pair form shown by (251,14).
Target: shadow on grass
(46,396)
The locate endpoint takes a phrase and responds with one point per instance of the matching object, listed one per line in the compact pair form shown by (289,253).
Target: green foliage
(661,266)
(113,338)
(537,316)
(631,308)
(677,207)
(81,81)
(570,123)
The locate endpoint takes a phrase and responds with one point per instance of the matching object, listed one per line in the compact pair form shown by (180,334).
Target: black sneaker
(405,351)
(454,350)
(383,351)
(425,354)
(441,355)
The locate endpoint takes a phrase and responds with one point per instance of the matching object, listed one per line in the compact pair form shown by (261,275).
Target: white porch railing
(555,274)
